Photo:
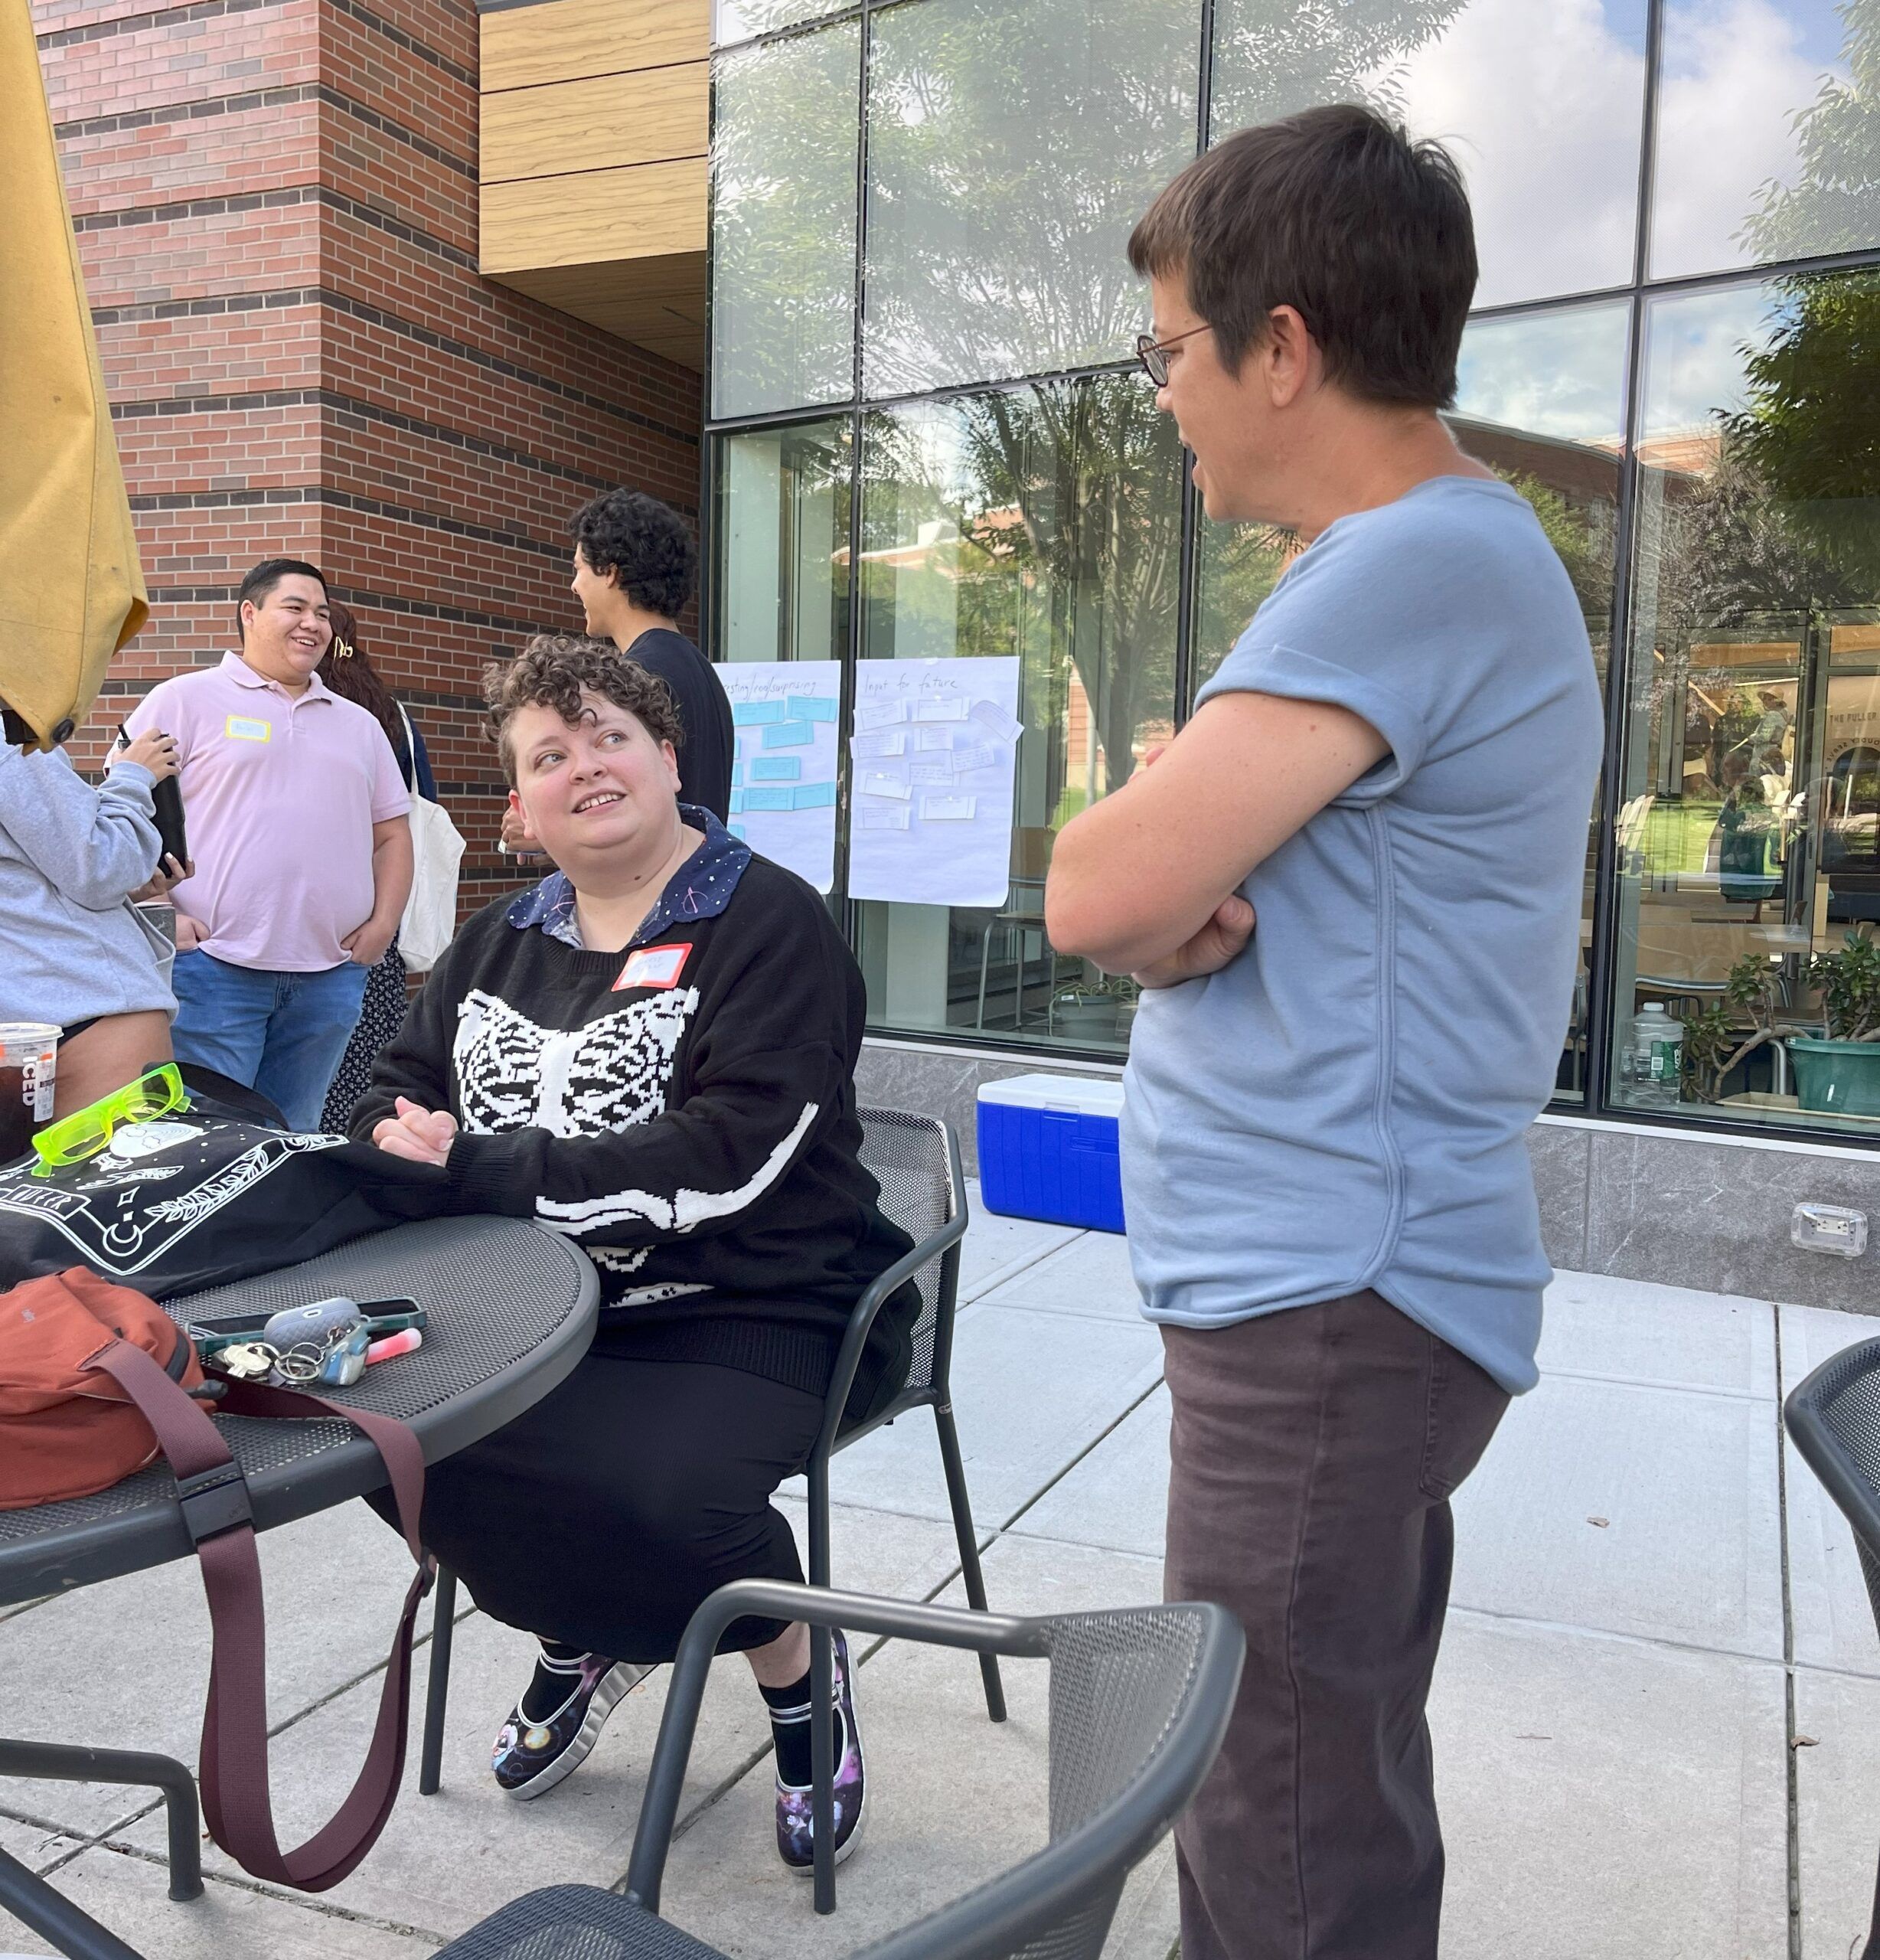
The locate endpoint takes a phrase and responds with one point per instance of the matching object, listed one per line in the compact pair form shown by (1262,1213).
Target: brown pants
(1314,1454)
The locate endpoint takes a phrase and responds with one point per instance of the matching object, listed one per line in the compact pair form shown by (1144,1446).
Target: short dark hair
(647,542)
(553,670)
(1337,213)
(267,575)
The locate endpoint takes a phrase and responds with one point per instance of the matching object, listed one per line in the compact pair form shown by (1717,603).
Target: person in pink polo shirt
(301,850)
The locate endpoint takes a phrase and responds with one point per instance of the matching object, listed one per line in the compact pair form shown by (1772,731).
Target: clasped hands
(418,1134)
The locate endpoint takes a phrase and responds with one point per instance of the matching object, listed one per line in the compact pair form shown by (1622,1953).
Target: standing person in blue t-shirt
(1351,890)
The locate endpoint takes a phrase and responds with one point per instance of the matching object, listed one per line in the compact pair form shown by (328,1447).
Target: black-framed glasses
(1154,354)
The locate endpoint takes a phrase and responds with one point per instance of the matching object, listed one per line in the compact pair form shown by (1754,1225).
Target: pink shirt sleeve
(390,797)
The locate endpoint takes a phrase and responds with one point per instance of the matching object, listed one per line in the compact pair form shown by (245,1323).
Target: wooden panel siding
(561,40)
(601,122)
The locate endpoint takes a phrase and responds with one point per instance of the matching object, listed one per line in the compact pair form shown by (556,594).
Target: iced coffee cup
(29,1067)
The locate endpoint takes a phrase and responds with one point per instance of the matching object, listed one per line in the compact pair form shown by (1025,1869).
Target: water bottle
(1652,1067)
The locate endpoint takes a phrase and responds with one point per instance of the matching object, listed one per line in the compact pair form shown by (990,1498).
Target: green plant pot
(1085,1016)
(1836,1078)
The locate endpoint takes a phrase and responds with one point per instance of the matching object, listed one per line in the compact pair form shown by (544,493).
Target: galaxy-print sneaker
(531,1757)
(795,1827)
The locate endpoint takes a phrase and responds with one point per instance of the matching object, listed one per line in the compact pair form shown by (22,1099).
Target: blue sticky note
(789,735)
(776,769)
(813,796)
(767,799)
(812,707)
(737,775)
(753,714)
(736,830)
(737,801)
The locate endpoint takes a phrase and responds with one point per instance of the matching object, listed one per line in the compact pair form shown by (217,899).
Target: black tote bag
(203,1197)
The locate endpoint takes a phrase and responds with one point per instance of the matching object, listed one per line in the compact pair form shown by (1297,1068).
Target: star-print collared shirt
(701,888)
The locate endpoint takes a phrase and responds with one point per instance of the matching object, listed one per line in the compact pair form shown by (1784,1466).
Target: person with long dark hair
(350,674)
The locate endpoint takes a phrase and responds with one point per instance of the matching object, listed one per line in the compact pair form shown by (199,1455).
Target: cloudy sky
(1543,106)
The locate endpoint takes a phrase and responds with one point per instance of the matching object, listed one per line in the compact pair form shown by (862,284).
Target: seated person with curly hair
(652,1051)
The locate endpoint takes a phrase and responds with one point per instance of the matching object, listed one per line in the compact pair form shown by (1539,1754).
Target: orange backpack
(67,1429)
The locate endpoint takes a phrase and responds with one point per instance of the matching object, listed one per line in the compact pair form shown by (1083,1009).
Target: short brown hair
(1337,213)
(555,669)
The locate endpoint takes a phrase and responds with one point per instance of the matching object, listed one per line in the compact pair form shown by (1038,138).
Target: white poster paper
(951,843)
(786,715)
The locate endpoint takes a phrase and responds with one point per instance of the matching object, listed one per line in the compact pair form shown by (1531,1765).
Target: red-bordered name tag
(653,966)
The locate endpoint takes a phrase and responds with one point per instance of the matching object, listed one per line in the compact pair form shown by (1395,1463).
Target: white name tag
(246,728)
(653,966)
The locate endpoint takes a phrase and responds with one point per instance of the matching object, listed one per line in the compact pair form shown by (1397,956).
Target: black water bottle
(167,802)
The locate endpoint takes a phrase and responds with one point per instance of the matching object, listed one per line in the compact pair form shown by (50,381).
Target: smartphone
(168,799)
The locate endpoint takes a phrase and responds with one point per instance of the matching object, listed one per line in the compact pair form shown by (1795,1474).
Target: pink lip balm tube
(394,1344)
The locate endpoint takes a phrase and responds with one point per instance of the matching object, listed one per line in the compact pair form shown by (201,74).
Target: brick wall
(276,206)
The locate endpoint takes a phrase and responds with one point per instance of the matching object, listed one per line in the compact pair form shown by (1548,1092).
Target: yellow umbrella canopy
(71,589)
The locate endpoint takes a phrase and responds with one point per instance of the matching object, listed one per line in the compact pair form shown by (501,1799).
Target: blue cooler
(1048,1150)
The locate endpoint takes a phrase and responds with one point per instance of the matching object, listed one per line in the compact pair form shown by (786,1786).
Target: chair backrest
(1834,1417)
(914,1161)
(1140,1701)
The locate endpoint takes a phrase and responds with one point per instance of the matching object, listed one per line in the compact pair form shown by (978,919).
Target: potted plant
(1838,1073)
(1093,1012)
(1714,1039)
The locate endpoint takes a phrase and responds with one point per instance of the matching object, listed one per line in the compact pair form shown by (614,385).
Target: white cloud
(1735,75)
(1560,374)
(1541,106)
(1693,358)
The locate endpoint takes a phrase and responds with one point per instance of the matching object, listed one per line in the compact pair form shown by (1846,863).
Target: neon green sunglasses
(85,1132)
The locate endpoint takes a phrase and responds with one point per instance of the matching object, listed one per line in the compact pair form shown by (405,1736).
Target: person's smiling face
(286,636)
(600,786)
(595,590)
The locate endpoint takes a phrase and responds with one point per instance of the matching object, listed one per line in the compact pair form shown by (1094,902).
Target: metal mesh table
(512,1310)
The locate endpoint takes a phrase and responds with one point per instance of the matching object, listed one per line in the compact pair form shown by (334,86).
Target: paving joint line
(1103,1435)
(1001,1276)
(1791,1752)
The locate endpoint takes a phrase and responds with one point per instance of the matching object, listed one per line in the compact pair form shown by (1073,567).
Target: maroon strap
(236,1802)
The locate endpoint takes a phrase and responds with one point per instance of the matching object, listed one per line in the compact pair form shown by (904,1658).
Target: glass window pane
(1043,524)
(1528,99)
(740,20)
(780,532)
(783,222)
(1767,147)
(1746,843)
(1011,151)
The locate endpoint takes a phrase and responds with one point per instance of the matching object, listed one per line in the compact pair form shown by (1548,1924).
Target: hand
(168,876)
(155,751)
(365,945)
(190,933)
(1223,939)
(517,839)
(416,1134)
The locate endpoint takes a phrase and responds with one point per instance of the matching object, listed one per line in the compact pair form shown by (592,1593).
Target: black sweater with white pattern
(697,1136)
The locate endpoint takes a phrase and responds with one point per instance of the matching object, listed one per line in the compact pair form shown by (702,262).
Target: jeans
(1312,1457)
(282,1034)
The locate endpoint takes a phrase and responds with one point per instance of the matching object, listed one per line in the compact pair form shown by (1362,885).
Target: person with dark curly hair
(653,1051)
(635,569)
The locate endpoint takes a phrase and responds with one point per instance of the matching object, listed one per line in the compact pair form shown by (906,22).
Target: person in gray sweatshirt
(73,950)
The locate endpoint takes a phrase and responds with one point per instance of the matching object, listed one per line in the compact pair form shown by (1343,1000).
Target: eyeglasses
(85,1132)
(1154,354)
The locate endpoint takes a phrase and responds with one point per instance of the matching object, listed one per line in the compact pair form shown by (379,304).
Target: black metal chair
(1834,1418)
(1140,1701)
(916,1161)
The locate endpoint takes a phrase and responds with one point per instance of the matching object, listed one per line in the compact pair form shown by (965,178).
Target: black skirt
(606,1514)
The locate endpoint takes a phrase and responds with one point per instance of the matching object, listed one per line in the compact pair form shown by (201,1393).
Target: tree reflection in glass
(1041,523)
(1011,148)
(783,222)
(1748,829)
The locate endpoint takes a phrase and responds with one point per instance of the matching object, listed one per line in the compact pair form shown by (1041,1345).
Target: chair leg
(68,1763)
(968,1542)
(822,1687)
(437,1690)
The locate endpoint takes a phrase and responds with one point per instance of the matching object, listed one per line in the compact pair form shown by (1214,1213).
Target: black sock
(789,1729)
(557,1668)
